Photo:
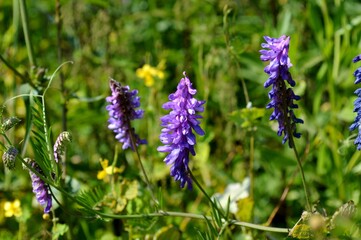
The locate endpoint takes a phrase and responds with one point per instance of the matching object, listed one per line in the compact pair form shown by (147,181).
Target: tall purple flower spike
(357,105)
(276,51)
(122,110)
(40,189)
(177,133)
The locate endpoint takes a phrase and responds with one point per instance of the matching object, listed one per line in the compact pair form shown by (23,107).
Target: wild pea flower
(148,73)
(12,208)
(177,135)
(40,189)
(357,105)
(122,110)
(108,170)
(281,97)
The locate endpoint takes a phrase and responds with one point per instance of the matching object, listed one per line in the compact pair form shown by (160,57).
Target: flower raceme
(122,110)
(41,190)
(275,50)
(357,105)
(177,133)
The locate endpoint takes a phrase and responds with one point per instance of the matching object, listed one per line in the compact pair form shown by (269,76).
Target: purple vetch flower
(357,105)
(281,97)
(41,190)
(122,110)
(177,134)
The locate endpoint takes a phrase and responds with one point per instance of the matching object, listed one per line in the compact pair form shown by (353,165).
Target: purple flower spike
(122,110)
(357,105)
(281,97)
(177,133)
(40,189)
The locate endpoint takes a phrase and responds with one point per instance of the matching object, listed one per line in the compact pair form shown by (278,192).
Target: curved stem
(194,216)
(226,12)
(251,165)
(157,214)
(205,193)
(24,19)
(13,69)
(299,164)
(134,146)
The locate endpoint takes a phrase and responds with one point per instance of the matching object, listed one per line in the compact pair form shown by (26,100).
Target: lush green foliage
(217,43)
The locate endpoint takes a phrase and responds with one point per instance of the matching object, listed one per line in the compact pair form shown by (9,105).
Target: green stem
(24,19)
(114,164)
(226,12)
(149,215)
(134,146)
(205,193)
(194,216)
(292,144)
(13,69)
(251,165)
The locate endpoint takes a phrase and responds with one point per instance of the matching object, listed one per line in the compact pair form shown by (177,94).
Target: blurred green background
(217,43)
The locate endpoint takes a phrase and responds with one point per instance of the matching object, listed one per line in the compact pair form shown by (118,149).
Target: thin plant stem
(134,146)
(13,69)
(24,19)
(194,216)
(251,164)
(226,12)
(150,215)
(286,190)
(59,24)
(292,144)
(115,160)
(205,193)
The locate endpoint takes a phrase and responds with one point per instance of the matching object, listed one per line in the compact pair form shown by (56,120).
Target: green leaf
(301,231)
(245,209)
(91,197)
(129,189)
(59,230)
(246,117)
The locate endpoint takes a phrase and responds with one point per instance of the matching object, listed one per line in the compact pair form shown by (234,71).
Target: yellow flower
(148,73)
(13,208)
(107,170)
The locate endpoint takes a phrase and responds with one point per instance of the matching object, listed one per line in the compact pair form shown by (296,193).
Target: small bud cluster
(9,157)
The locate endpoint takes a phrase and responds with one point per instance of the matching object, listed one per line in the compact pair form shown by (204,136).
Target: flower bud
(9,157)
(10,123)
(60,144)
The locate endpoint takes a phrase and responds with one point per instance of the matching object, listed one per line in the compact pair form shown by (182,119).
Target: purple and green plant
(122,110)
(177,134)
(275,50)
(357,105)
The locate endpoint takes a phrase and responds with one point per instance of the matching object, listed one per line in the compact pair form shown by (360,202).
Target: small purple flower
(357,105)
(177,135)
(281,97)
(122,110)
(40,189)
